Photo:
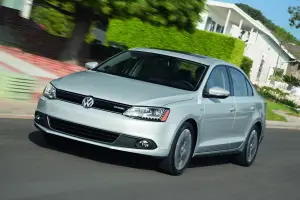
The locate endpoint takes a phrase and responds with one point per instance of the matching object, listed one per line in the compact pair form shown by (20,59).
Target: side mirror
(217,92)
(91,65)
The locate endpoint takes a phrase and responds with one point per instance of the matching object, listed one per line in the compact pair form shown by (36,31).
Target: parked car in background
(167,104)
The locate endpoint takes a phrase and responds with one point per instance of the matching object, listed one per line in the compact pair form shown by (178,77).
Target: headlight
(49,91)
(148,113)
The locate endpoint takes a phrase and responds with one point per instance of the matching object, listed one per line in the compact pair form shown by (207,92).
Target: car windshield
(155,68)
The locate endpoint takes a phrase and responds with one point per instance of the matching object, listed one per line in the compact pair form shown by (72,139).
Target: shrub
(266,92)
(247,65)
(135,33)
(277,95)
(278,72)
(291,80)
(288,102)
(272,93)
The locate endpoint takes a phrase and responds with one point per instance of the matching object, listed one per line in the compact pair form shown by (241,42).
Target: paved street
(29,169)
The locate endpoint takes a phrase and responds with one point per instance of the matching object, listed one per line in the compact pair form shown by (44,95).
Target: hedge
(247,65)
(135,33)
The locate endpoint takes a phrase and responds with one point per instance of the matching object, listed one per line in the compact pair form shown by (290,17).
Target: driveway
(30,169)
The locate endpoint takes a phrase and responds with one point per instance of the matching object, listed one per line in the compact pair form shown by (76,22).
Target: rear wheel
(181,151)
(248,155)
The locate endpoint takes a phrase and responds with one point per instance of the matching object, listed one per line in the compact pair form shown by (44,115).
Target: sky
(275,10)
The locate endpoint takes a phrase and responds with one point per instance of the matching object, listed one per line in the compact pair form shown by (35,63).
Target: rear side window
(249,88)
(240,87)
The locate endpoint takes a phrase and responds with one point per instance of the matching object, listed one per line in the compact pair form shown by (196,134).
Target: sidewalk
(54,67)
(12,63)
(292,122)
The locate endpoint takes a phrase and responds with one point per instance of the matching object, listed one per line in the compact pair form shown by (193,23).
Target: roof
(257,24)
(184,55)
(294,49)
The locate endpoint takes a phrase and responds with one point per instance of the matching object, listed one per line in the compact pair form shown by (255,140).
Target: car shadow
(208,161)
(114,157)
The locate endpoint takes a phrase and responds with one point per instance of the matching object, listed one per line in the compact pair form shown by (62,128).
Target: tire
(183,144)
(244,158)
(49,139)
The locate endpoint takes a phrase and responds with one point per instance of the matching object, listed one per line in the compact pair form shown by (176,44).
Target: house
(268,54)
(294,68)
(24,6)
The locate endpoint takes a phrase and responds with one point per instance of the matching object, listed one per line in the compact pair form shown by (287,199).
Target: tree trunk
(83,21)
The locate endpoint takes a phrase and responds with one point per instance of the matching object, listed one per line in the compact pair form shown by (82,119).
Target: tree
(295,16)
(54,22)
(182,14)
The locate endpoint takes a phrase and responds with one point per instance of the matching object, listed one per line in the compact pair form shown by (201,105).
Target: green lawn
(276,106)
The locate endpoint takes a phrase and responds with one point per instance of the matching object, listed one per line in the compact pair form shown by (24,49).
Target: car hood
(121,89)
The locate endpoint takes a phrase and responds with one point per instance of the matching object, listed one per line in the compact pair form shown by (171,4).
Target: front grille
(81,131)
(98,103)
(70,97)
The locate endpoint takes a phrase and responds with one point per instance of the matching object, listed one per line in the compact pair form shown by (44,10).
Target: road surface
(30,169)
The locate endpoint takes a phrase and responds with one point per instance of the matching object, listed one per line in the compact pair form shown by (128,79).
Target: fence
(16,86)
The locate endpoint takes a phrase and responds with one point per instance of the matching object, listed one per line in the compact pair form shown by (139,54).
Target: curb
(13,116)
(283,127)
(12,69)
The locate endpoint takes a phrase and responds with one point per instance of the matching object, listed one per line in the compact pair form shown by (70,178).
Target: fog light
(37,117)
(143,144)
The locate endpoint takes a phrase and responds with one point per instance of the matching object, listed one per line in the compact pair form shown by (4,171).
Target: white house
(24,6)
(262,47)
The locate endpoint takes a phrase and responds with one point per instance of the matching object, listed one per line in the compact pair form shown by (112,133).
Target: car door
(245,106)
(218,114)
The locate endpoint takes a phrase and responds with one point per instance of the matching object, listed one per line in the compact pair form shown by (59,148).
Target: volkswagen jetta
(161,103)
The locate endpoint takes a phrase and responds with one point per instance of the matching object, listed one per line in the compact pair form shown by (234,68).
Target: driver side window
(218,78)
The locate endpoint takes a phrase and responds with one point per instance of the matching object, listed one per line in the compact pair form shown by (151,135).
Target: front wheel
(181,151)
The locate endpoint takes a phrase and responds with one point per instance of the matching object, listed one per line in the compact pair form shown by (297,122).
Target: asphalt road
(29,169)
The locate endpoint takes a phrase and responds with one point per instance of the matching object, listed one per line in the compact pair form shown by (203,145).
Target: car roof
(206,60)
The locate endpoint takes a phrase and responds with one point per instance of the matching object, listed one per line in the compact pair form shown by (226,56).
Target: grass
(274,117)
(276,106)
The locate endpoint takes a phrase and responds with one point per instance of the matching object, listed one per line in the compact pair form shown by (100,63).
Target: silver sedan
(167,104)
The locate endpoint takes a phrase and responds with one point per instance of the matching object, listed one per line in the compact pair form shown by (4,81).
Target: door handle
(232,109)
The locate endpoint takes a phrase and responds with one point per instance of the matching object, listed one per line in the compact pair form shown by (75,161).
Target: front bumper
(129,131)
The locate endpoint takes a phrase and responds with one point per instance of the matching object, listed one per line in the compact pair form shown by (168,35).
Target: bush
(135,33)
(278,96)
(272,93)
(288,102)
(247,65)
(291,80)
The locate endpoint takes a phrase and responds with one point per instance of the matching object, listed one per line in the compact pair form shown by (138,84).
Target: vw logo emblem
(88,102)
